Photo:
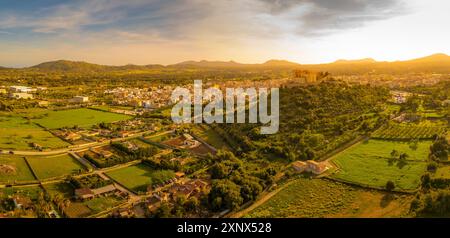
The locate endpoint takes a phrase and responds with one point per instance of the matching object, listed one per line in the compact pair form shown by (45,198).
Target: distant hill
(436,63)
(208,64)
(65,65)
(358,61)
(280,63)
(79,66)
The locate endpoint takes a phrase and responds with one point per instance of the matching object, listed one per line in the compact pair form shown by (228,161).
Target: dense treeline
(233,184)
(313,120)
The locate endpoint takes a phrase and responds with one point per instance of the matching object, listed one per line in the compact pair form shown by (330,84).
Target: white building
(80,99)
(21,89)
(21,95)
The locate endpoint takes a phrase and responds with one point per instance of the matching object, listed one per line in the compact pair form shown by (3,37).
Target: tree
(394,154)
(225,194)
(390,186)
(403,156)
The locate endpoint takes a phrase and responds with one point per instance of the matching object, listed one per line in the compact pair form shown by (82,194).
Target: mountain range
(436,63)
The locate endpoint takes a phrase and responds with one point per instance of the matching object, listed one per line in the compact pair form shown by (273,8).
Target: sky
(117,32)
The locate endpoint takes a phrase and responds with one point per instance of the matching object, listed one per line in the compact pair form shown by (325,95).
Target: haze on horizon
(116,32)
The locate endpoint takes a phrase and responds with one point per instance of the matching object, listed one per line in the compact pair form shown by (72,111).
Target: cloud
(319,17)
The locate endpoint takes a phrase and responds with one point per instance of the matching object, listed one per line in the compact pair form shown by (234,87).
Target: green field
(313,198)
(100,204)
(64,189)
(370,164)
(32,192)
(404,132)
(138,177)
(77,117)
(54,166)
(211,137)
(442,172)
(18,133)
(19,172)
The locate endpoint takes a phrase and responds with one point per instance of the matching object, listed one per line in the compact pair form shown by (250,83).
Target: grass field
(369,164)
(407,131)
(442,172)
(30,192)
(77,117)
(138,177)
(323,198)
(54,166)
(18,133)
(20,170)
(211,137)
(100,204)
(66,190)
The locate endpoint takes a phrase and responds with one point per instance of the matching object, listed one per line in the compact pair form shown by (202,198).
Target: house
(84,193)
(43,103)
(147,104)
(123,134)
(130,146)
(104,190)
(80,99)
(309,166)
(299,166)
(71,136)
(37,146)
(154,201)
(123,213)
(105,153)
(21,89)
(189,141)
(21,95)
(316,167)
(179,175)
(187,189)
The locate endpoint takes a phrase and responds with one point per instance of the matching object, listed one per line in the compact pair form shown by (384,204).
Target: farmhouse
(189,141)
(21,95)
(299,166)
(43,103)
(190,188)
(316,167)
(84,193)
(80,99)
(309,166)
(104,190)
(21,89)
(71,136)
(87,193)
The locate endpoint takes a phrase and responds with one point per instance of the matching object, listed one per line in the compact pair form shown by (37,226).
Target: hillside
(436,63)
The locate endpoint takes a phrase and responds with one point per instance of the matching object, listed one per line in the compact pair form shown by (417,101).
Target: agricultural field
(101,204)
(31,192)
(18,133)
(54,166)
(138,177)
(81,117)
(63,189)
(442,172)
(404,132)
(14,168)
(370,164)
(140,143)
(323,198)
(211,137)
